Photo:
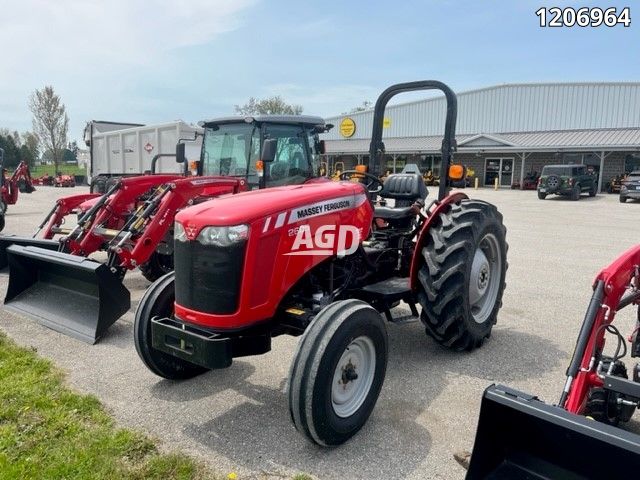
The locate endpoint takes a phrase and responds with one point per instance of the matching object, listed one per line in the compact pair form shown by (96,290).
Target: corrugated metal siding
(512,108)
(523,141)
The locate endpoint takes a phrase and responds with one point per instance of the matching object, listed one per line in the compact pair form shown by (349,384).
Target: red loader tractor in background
(319,259)
(20,181)
(133,224)
(519,436)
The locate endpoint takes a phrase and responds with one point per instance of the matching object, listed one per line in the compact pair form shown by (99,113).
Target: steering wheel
(373,185)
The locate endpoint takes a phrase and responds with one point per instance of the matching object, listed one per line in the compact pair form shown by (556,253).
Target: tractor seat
(405,189)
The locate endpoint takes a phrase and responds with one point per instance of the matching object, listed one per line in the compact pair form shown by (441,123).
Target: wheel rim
(353,377)
(484,283)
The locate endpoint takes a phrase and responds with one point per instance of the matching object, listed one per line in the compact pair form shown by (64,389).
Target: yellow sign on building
(347,127)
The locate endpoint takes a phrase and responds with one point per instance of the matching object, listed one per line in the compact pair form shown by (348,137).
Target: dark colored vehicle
(630,187)
(570,180)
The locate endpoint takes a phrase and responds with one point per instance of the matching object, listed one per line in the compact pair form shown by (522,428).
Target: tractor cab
(232,146)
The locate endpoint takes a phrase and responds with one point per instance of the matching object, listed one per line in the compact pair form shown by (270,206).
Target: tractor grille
(208,277)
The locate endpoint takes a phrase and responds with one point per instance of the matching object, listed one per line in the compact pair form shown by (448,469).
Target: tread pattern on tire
(158,362)
(312,345)
(443,278)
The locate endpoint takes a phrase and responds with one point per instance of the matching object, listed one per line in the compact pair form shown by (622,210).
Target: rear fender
(434,211)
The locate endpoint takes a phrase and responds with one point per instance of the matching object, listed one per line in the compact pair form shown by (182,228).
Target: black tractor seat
(406,189)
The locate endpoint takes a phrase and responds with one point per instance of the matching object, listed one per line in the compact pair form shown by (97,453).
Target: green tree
(31,141)
(365,105)
(50,121)
(11,150)
(268,106)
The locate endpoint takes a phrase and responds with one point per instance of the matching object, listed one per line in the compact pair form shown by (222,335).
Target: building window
(631,162)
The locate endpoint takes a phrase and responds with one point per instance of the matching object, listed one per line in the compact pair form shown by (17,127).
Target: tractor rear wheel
(337,372)
(158,302)
(462,276)
(593,190)
(158,265)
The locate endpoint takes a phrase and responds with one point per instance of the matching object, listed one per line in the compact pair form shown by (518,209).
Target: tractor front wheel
(462,276)
(159,264)
(337,372)
(158,302)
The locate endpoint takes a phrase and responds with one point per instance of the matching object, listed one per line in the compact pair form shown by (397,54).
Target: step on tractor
(321,260)
(519,436)
(19,181)
(133,223)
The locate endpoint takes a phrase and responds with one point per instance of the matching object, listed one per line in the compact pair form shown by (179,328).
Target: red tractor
(319,259)
(519,436)
(20,181)
(133,224)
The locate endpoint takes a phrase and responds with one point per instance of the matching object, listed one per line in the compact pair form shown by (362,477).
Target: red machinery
(20,181)
(64,181)
(133,224)
(321,260)
(519,436)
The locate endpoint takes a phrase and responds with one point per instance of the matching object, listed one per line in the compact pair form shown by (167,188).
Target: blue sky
(156,60)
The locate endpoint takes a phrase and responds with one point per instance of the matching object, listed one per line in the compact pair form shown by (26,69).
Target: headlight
(179,232)
(223,236)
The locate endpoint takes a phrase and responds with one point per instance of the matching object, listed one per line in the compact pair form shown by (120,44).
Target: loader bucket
(7,240)
(70,294)
(521,437)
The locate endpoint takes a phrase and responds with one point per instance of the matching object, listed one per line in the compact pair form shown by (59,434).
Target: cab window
(231,150)
(291,165)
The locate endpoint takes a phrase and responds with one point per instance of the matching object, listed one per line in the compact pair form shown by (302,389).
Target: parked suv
(570,180)
(630,187)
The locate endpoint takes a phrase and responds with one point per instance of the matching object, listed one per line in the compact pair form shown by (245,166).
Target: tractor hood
(297,201)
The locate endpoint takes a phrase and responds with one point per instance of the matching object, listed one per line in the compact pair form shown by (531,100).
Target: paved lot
(237,419)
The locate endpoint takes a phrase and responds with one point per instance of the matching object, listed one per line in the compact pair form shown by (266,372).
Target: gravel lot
(237,419)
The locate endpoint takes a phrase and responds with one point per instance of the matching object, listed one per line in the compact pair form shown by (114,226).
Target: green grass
(39,170)
(48,431)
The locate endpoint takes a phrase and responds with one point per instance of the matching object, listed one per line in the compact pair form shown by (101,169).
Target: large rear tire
(158,265)
(337,372)
(462,276)
(158,301)
(593,190)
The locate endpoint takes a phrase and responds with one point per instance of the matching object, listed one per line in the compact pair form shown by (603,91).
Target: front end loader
(519,436)
(132,226)
(326,261)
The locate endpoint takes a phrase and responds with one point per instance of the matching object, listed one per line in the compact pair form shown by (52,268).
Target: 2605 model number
(583,17)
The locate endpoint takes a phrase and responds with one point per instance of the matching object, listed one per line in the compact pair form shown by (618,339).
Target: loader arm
(113,214)
(609,286)
(50,226)
(151,229)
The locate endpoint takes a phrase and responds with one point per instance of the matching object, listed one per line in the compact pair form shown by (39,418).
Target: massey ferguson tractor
(132,223)
(20,181)
(319,259)
(519,436)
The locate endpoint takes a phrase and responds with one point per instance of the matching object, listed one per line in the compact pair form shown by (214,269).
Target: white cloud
(88,34)
(90,49)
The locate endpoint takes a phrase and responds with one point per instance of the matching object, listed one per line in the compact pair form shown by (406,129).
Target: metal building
(505,131)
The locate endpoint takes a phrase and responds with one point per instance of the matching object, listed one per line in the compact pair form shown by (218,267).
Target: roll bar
(449,146)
